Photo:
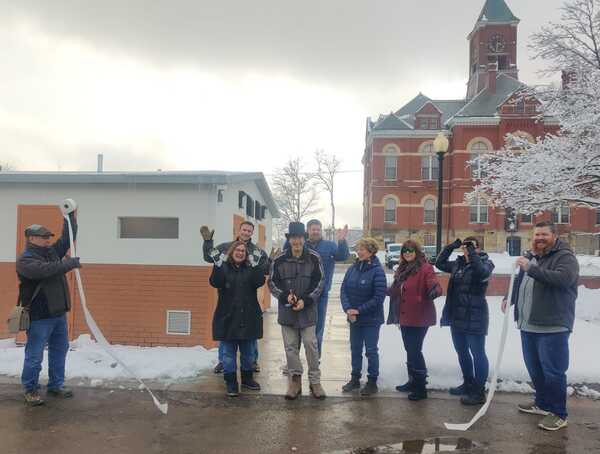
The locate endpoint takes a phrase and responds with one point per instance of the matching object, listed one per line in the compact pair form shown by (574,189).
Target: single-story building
(143,272)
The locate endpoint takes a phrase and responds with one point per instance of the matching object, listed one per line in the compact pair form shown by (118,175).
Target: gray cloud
(372,46)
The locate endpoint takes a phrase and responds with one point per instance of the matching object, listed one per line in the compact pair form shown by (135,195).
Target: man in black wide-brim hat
(297,281)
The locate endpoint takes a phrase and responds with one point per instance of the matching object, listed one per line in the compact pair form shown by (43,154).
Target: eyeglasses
(408,250)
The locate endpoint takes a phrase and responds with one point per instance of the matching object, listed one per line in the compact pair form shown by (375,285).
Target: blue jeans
(367,337)
(255,351)
(247,354)
(473,361)
(547,360)
(321,317)
(54,333)
(413,337)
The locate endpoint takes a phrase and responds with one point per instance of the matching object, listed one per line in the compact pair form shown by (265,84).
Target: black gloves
(457,243)
(70,263)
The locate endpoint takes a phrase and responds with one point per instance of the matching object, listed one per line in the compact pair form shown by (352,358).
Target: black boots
(408,386)
(231,383)
(463,390)
(419,390)
(476,396)
(248,381)
(353,384)
(370,388)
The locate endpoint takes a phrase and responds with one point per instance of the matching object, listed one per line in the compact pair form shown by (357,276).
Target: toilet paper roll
(68,206)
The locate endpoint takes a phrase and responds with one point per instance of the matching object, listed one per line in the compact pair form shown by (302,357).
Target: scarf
(406,269)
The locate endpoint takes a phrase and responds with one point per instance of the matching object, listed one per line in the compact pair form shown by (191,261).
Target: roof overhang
(196,178)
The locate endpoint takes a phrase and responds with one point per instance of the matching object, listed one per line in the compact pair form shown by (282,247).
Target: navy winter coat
(364,288)
(466,308)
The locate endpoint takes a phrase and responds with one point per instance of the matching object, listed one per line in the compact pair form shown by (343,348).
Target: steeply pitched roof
(486,103)
(496,11)
(391,122)
(447,107)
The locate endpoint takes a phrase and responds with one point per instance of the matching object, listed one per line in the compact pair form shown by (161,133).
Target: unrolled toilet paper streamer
(494,383)
(68,206)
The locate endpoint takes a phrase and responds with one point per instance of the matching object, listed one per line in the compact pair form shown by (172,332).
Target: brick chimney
(492,70)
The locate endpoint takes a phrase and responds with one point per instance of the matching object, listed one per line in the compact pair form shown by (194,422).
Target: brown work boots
(294,387)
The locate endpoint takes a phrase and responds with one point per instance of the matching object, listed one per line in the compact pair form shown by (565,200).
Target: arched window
(429,211)
(478,211)
(430,167)
(477,150)
(389,211)
(562,215)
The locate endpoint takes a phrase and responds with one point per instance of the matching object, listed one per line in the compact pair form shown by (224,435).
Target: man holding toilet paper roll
(43,289)
(256,257)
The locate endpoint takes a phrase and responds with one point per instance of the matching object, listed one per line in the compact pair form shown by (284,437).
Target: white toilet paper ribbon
(91,323)
(494,383)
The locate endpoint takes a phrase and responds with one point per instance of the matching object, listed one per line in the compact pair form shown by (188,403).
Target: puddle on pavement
(427,446)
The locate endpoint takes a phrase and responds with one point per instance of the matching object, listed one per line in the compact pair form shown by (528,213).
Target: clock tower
(492,46)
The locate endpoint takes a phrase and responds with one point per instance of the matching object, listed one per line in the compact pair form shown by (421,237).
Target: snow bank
(442,361)
(588,305)
(87,360)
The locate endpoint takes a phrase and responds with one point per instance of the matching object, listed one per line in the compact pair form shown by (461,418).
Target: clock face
(497,43)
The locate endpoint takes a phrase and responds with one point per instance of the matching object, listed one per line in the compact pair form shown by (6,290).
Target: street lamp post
(440,146)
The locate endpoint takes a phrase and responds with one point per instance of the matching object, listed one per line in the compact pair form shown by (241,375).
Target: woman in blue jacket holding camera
(362,294)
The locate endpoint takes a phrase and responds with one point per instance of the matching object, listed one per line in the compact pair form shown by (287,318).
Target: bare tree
(6,167)
(328,166)
(295,192)
(573,42)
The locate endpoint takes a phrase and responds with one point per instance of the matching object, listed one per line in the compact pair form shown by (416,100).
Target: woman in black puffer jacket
(466,312)
(237,321)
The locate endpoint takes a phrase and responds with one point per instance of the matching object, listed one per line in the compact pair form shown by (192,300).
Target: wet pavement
(123,422)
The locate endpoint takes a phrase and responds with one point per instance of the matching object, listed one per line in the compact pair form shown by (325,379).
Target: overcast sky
(228,84)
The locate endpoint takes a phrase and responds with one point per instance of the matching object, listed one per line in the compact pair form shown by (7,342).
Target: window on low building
(478,211)
(389,215)
(597,216)
(148,228)
(390,167)
(430,167)
(477,150)
(429,211)
(562,215)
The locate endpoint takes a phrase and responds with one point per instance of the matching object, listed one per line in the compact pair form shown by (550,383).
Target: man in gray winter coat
(544,297)
(297,280)
(43,289)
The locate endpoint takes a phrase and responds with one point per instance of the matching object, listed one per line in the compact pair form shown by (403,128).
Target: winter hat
(296,229)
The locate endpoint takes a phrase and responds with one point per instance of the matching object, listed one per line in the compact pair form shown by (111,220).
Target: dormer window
(428,122)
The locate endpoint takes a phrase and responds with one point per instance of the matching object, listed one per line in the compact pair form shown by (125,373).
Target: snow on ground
(89,361)
(589,265)
(442,361)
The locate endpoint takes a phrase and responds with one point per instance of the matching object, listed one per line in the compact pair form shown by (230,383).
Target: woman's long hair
(405,268)
(234,245)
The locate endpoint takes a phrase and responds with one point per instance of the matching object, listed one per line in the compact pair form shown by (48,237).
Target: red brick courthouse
(401,169)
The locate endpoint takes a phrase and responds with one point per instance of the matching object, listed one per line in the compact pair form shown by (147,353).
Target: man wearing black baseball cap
(44,291)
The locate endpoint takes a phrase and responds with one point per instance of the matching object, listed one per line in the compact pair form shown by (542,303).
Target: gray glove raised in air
(207,234)
(217,257)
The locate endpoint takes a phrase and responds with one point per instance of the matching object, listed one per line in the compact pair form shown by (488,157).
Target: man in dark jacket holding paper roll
(44,291)
(544,295)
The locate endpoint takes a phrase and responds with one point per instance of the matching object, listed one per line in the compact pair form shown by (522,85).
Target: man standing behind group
(297,282)
(43,289)
(544,297)
(330,252)
(213,254)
